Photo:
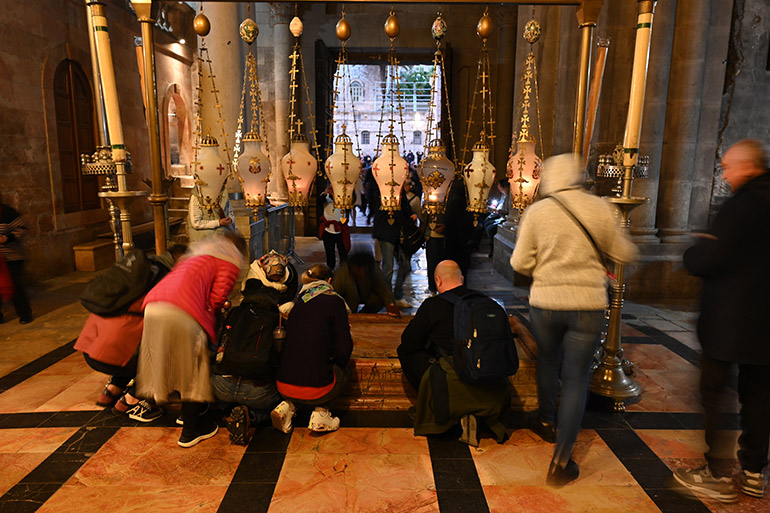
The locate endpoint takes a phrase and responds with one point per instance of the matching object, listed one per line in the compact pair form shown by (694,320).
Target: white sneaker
(282,415)
(322,420)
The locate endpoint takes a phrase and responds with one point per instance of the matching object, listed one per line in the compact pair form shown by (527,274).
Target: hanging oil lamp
(390,170)
(250,155)
(437,174)
(524,165)
(210,173)
(479,176)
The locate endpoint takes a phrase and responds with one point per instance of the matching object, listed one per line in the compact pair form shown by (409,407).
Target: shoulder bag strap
(578,223)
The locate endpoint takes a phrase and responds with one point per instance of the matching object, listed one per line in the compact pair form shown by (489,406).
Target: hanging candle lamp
(254,170)
(437,173)
(210,173)
(479,176)
(390,170)
(524,166)
(343,169)
(299,169)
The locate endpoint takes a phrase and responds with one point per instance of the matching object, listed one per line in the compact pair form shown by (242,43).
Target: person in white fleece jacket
(568,296)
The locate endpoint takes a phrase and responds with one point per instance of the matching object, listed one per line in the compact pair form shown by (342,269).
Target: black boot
(196,428)
(559,476)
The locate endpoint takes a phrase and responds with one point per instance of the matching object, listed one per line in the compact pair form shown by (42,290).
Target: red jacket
(199,285)
(113,340)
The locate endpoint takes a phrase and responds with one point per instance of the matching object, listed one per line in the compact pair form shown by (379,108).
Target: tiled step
(377,382)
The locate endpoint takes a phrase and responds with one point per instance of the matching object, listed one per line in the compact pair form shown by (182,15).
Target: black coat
(735,267)
(432,326)
(317,338)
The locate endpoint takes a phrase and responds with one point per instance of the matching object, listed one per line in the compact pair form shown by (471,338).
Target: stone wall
(35,36)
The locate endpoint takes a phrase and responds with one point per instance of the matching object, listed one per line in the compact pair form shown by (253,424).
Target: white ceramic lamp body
(523,170)
(390,170)
(210,173)
(479,176)
(437,173)
(254,173)
(299,168)
(343,169)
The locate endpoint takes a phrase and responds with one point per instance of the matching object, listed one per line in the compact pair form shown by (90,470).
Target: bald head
(448,275)
(744,161)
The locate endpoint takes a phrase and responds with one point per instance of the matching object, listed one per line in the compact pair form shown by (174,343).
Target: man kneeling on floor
(444,399)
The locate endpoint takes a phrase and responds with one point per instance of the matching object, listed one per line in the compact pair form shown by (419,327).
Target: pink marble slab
(21,450)
(355,483)
(358,441)
(151,457)
(569,499)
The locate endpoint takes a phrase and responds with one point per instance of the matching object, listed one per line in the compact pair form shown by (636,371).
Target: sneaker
(403,304)
(282,415)
(238,425)
(141,411)
(753,484)
(206,430)
(701,481)
(470,434)
(560,476)
(321,420)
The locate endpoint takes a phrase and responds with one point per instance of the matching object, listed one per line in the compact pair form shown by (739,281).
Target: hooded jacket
(567,273)
(200,283)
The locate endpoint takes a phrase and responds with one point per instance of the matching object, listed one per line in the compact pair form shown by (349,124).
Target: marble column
(280,15)
(685,94)
(651,141)
(225,52)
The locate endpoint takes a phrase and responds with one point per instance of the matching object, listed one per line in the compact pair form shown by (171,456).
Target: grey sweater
(565,267)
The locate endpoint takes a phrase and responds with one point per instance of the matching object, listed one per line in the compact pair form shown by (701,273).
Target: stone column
(685,93)
(224,49)
(651,141)
(281,14)
(506,94)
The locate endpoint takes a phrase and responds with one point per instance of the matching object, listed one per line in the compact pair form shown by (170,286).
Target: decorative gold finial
(439,28)
(343,29)
(201,25)
(484,27)
(532,32)
(392,25)
(248,30)
(296,27)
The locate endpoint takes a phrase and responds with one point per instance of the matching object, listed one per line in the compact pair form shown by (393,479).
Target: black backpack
(111,292)
(484,346)
(246,345)
(412,237)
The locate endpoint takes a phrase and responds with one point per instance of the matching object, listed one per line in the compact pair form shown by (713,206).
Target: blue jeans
(259,399)
(388,250)
(566,342)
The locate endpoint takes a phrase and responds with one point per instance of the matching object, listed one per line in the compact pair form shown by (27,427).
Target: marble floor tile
(358,441)
(626,330)
(569,499)
(130,497)
(687,443)
(526,464)
(151,457)
(355,483)
(21,450)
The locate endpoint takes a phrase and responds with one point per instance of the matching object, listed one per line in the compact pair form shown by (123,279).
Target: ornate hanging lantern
(390,170)
(254,170)
(437,174)
(299,169)
(523,168)
(250,156)
(210,173)
(343,169)
(479,176)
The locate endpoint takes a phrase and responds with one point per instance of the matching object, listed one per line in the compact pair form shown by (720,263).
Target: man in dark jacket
(732,258)
(443,399)
(12,229)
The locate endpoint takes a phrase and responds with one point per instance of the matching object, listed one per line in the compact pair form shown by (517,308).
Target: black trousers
(332,240)
(754,395)
(435,251)
(20,298)
(414,365)
(119,376)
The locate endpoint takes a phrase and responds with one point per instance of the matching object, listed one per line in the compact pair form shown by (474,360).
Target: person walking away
(561,239)
(411,230)
(333,232)
(732,259)
(314,369)
(12,230)
(179,320)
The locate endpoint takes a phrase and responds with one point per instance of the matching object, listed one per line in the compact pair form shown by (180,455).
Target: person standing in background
(12,229)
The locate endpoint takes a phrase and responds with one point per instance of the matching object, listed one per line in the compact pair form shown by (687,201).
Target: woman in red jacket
(179,320)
